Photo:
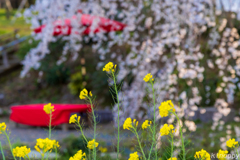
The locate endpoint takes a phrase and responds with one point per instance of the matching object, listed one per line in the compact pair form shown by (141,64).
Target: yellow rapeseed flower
(231,143)
(103,149)
(79,156)
(148,77)
(129,124)
(165,108)
(2,127)
(146,124)
(165,130)
(222,154)
(21,151)
(90,93)
(203,155)
(83,94)
(172,158)
(109,67)
(134,156)
(73,119)
(46,145)
(91,144)
(48,108)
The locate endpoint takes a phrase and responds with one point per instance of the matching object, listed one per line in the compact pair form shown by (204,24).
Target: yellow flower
(90,93)
(133,156)
(231,143)
(146,124)
(109,67)
(2,127)
(46,145)
(165,108)
(166,129)
(172,158)
(203,155)
(222,154)
(148,77)
(73,119)
(78,156)
(91,144)
(83,94)
(129,124)
(21,151)
(48,108)
(103,149)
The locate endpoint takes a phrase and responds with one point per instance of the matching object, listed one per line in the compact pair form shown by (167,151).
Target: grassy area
(8,26)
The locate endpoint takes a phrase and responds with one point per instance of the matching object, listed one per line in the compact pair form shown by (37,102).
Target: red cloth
(63,27)
(33,114)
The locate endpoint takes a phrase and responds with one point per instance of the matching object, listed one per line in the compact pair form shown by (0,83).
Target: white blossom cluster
(162,37)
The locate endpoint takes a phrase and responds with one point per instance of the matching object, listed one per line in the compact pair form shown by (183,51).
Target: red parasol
(103,25)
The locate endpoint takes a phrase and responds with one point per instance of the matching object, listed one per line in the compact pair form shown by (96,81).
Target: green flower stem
(151,145)
(236,151)
(118,104)
(56,153)
(78,124)
(154,124)
(171,145)
(182,139)
(50,123)
(94,128)
(28,157)
(9,144)
(2,151)
(135,131)
(42,156)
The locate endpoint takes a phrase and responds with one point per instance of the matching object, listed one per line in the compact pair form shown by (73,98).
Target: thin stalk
(94,129)
(56,153)
(154,124)
(151,145)
(2,151)
(50,123)
(171,146)
(82,131)
(10,146)
(236,151)
(28,157)
(139,143)
(118,104)
(181,134)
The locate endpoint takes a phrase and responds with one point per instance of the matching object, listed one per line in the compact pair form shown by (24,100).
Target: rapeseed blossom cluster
(165,108)
(46,145)
(203,155)
(129,124)
(146,124)
(221,155)
(2,127)
(74,118)
(109,67)
(172,158)
(48,108)
(103,149)
(91,144)
(79,156)
(165,130)
(148,77)
(21,151)
(231,143)
(84,94)
(134,156)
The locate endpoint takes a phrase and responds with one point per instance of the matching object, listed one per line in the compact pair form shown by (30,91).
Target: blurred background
(52,49)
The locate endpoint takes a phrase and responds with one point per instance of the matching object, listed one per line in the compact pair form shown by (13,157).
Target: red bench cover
(33,114)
